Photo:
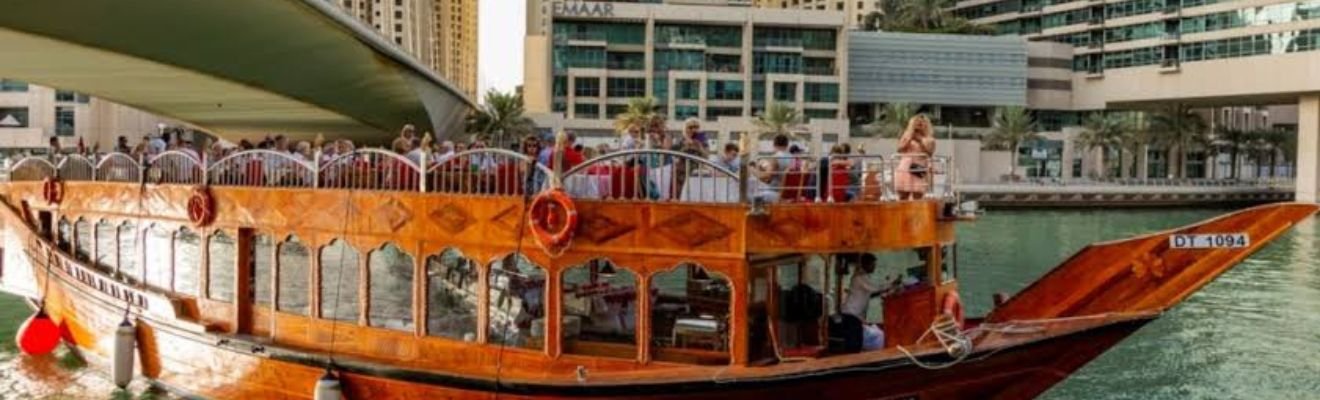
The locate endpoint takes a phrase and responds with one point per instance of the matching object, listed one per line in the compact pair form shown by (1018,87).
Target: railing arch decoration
(175,167)
(118,167)
(485,172)
(262,168)
(370,169)
(653,175)
(32,169)
(77,168)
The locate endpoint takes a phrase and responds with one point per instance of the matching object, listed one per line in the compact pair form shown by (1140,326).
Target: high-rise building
(441,34)
(410,24)
(722,62)
(856,9)
(456,42)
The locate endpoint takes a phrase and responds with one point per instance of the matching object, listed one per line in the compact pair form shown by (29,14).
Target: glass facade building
(1160,32)
(728,64)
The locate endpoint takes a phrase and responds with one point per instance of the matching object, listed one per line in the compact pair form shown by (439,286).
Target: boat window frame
(638,297)
(656,351)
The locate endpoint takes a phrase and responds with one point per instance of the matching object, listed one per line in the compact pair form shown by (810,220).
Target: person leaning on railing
(915,148)
(770,171)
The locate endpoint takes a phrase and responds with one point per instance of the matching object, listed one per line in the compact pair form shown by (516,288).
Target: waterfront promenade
(1129,193)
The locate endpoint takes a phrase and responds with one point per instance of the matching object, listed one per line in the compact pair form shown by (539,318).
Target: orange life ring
(553,218)
(52,190)
(953,307)
(201,206)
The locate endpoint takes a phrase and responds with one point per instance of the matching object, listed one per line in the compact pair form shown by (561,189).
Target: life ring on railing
(953,307)
(553,218)
(52,190)
(201,206)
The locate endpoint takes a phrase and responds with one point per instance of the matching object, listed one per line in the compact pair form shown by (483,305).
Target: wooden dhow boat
(638,274)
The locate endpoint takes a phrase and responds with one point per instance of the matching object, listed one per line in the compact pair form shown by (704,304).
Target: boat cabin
(674,260)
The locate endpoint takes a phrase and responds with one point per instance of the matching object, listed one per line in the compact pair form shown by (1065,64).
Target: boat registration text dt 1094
(1210,241)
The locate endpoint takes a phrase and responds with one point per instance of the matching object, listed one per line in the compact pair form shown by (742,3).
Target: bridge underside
(237,68)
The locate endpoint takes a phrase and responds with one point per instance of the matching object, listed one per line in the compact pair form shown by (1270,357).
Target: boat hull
(221,366)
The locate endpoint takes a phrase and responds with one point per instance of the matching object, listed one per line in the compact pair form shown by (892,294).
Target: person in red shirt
(572,157)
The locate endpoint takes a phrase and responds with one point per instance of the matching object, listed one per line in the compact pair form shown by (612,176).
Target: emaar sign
(583,9)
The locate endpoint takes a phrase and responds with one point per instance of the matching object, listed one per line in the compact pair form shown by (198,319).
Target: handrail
(486,171)
(32,169)
(261,167)
(174,166)
(370,169)
(118,167)
(656,175)
(920,176)
(652,175)
(76,168)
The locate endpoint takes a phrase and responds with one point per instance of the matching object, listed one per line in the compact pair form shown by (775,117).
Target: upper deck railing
(633,175)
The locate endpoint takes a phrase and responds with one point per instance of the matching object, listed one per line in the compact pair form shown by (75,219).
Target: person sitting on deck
(729,158)
(770,171)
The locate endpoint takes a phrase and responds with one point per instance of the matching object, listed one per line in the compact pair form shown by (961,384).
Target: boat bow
(1150,273)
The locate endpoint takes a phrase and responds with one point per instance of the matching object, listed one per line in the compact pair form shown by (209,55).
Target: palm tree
(1232,142)
(1105,132)
(921,16)
(1270,143)
(500,117)
(642,112)
(778,119)
(927,15)
(1012,127)
(1179,129)
(893,120)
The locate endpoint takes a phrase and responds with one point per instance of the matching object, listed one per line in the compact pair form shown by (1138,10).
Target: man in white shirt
(861,288)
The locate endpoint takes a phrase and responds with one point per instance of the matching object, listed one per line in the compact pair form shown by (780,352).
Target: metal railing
(790,179)
(920,176)
(370,169)
(31,169)
(174,167)
(266,168)
(77,168)
(484,172)
(634,175)
(652,175)
(856,178)
(118,167)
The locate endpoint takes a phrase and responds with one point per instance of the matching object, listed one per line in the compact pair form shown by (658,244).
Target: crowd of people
(787,174)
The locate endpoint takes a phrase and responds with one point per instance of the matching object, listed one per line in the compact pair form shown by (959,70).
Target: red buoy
(39,335)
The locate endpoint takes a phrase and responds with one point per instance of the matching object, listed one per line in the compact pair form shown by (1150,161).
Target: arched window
(517,303)
(452,296)
(82,248)
(106,247)
(339,282)
(600,310)
(294,276)
(691,314)
(263,271)
(187,261)
(65,241)
(222,251)
(128,262)
(391,292)
(158,258)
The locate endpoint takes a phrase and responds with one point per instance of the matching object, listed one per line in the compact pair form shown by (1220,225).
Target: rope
(522,226)
(956,342)
(339,280)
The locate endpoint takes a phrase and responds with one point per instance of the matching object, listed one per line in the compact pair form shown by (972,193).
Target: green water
(1252,334)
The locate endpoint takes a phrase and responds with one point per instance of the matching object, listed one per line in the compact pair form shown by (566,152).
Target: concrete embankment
(1110,196)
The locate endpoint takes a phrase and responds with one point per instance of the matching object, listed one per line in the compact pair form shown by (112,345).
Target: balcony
(1169,66)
